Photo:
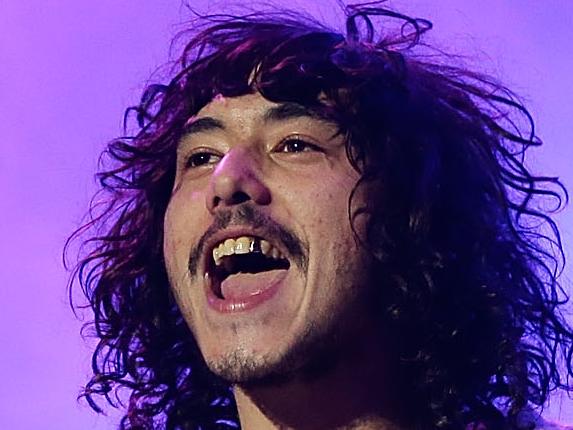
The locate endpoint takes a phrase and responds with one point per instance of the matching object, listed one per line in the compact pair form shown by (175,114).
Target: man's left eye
(295,144)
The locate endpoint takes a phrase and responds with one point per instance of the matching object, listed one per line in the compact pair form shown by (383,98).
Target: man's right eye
(201,159)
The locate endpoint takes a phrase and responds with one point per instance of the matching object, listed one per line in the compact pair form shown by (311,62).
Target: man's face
(272,176)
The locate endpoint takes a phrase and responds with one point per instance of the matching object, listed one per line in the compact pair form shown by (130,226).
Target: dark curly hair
(460,229)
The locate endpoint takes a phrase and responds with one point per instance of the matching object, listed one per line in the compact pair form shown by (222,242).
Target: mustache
(248,215)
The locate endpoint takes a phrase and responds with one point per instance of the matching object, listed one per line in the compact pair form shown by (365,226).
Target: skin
(312,357)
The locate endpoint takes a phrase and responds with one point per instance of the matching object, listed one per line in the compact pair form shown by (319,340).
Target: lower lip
(232,306)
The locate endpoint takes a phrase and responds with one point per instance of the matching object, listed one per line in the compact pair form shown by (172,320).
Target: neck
(340,392)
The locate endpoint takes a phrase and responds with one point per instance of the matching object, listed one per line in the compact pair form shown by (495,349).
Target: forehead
(251,111)
(248,113)
(236,109)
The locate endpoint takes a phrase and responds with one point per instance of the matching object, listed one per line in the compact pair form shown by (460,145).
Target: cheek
(177,228)
(183,214)
(330,206)
(172,241)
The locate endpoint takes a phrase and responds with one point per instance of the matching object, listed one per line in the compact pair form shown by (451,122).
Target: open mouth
(240,267)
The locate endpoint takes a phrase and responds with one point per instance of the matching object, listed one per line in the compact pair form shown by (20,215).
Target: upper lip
(233,232)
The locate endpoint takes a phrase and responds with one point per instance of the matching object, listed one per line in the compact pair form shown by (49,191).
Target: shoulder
(529,418)
(547,425)
(542,424)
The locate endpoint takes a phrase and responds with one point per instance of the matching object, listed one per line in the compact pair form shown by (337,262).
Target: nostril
(236,198)
(239,197)
(232,185)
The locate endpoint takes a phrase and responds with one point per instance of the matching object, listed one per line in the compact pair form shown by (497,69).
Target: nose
(236,180)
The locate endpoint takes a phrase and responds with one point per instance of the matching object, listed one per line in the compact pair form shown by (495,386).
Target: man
(322,231)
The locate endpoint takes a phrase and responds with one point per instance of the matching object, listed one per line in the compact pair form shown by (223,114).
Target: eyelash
(295,139)
(195,157)
(191,162)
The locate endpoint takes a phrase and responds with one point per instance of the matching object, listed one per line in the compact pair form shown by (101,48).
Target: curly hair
(460,229)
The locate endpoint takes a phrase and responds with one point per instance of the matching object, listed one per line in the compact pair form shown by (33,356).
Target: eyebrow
(199,125)
(290,110)
(282,112)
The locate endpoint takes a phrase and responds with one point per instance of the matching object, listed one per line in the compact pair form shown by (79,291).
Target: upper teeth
(244,245)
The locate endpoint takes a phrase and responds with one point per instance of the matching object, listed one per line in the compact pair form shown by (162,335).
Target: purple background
(69,68)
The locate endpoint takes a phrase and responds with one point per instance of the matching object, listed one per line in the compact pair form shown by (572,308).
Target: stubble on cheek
(175,251)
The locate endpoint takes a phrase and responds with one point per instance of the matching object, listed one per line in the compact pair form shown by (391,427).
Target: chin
(307,353)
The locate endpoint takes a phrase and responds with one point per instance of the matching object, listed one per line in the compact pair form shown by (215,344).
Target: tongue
(242,285)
